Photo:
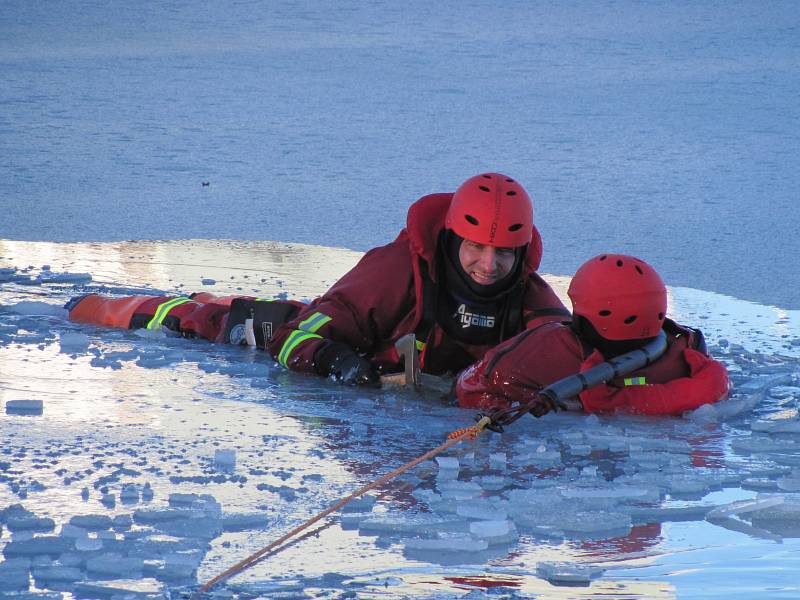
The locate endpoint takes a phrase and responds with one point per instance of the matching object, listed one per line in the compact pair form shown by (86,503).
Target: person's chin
(482,279)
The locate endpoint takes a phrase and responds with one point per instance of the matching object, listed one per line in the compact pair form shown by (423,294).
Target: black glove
(346,366)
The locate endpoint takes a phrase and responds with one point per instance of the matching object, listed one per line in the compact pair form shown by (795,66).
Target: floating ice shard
(743,506)
(30,523)
(14,575)
(91,522)
(777,426)
(244,522)
(73,341)
(494,532)
(225,459)
(129,493)
(47,276)
(24,407)
(110,566)
(88,544)
(561,572)
(448,543)
(481,511)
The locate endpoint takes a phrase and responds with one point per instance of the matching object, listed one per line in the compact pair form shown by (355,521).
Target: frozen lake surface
(150,464)
(669,131)
(141,466)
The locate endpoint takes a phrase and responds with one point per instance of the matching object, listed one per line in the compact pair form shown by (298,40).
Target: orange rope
(453,438)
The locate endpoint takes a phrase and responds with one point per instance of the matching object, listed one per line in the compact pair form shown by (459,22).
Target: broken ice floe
(24,407)
(567,573)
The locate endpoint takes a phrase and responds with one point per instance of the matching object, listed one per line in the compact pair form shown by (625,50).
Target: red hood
(426,221)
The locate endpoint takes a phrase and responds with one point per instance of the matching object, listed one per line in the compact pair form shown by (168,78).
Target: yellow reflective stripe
(420,345)
(295,338)
(635,381)
(265,299)
(314,322)
(163,310)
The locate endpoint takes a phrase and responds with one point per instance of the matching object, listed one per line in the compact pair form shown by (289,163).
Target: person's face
(485,264)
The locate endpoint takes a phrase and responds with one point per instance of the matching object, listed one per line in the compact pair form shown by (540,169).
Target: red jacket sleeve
(361,310)
(707,383)
(517,369)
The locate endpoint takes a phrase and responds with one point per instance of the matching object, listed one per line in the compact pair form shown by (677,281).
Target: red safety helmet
(491,209)
(621,296)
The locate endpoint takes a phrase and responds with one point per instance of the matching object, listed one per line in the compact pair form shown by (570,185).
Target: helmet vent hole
(619,263)
(515,227)
(639,270)
(630,320)
(471,220)
(603,257)
(604,313)
(487,176)
(510,181)
(511,193)
(483,188)
(660,316)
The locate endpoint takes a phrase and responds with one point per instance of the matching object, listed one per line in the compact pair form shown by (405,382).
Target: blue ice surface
(664,130)
(157,462)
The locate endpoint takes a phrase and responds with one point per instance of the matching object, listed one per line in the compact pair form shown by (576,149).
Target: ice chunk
(243,522)
(777,426)
(14,575)
(129,493)
(39,546)
(114,567)
(759,384)
(88,544)
(494,532)
(361,504)
(29,523)
(498,460)
(91,522)
(481,510)
(790,484)
(594,522)
(447,462)
(225,459)
(493,482)
(31,308)
(73,341)
(47,576)
(71,531)
(24,407)
(147,492)
(448,543)
(48,276)
(617,494)
(682,485)
(743,506)
(568,573)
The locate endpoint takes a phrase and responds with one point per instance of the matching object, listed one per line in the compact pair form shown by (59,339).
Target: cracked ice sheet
(121,409)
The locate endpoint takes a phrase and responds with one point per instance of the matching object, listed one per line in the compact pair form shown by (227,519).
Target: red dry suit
(683,378)
(390,293)
(201,315)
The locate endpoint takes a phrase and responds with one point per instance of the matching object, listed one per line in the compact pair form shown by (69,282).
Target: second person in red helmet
(461,277)
(619,304)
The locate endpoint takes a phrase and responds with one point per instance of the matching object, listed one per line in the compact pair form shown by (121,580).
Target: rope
(461,434)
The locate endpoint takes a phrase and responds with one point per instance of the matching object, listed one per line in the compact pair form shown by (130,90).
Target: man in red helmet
(461,277)
(619,304)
